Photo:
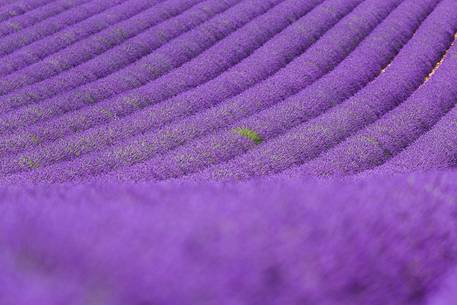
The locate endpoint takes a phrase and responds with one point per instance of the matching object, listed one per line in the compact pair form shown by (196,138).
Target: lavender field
(228,152)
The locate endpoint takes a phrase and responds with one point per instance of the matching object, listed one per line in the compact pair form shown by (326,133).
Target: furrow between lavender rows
(354,25)
(163,60)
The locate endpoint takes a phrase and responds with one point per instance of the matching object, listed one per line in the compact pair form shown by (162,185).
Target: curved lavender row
(172,55)
(340,38)
(264,61)
(40,49)
(408,70)
(361,66)
(21,7)
(15,41)
(22,21)
(84,61)
(437,147)
(383,240)
(393,132)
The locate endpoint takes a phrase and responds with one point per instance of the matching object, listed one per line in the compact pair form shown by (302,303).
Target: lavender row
(435,149)
(361,66)
(341,37)
(435,146)
(15,41)
(30,18)
(264,61)
(69,35)
(49,74)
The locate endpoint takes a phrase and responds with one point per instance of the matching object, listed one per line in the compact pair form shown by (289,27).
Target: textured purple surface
(125,177)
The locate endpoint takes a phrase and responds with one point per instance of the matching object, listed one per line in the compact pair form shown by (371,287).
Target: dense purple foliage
(228,152)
